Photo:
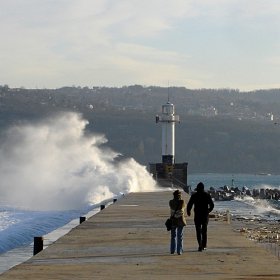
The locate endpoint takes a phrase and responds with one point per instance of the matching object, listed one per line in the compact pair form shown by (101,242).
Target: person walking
(177,207)
(203,205)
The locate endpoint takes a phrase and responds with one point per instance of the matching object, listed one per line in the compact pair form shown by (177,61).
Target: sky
(190,43)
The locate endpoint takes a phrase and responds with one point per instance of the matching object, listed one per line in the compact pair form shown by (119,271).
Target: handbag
(168,222)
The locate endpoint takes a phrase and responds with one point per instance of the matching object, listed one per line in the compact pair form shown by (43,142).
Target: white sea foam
(55,165)
(53,171)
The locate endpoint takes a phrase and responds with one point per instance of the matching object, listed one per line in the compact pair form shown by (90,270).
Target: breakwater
(226,193)
(130,235)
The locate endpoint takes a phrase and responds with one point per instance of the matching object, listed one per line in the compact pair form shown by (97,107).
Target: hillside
(126,116)
(207,144)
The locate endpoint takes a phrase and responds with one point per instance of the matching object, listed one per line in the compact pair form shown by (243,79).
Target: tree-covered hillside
(126,116)
(207,144)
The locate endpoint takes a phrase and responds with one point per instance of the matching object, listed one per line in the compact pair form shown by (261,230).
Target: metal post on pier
(38,245)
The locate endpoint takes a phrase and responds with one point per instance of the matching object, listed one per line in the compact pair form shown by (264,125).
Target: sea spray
(55,165)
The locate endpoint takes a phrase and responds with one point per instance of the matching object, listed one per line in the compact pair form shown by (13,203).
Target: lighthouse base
(168,175)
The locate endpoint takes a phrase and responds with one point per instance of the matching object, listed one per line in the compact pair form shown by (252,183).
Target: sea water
(22,226)
(247,206)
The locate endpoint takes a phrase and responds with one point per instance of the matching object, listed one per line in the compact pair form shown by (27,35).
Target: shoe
(204,248)
(200,249)
(172,253)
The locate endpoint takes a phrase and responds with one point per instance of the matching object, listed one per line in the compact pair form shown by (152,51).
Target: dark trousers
(201,224)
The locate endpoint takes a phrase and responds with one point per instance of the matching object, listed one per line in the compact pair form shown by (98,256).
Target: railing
(273,248)
(178,181)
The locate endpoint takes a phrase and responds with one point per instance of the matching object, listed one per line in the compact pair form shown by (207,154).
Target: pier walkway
(128,240)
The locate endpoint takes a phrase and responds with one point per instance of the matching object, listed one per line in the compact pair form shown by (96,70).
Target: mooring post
(38,245)
(82,219)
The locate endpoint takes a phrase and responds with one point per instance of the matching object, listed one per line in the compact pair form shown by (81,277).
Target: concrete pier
(128,240)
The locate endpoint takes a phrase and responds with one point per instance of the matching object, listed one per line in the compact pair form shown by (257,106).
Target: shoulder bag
(168,222)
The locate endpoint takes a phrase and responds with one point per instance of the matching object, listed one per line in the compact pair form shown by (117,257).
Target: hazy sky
(199,43)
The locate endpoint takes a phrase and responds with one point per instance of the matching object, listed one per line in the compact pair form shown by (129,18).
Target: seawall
(128,240)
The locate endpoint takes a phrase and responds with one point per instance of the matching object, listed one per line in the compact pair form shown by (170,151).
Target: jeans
(176,231)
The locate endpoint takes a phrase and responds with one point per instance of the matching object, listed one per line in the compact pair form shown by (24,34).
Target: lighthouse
(168,120)
(168,171)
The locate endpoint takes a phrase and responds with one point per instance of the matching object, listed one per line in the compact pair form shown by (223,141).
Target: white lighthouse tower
(168,171)
(168,120)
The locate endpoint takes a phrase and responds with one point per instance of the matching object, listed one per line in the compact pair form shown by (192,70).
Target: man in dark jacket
(203,205)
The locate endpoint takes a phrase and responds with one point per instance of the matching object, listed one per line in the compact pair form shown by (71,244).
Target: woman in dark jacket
(177,208)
